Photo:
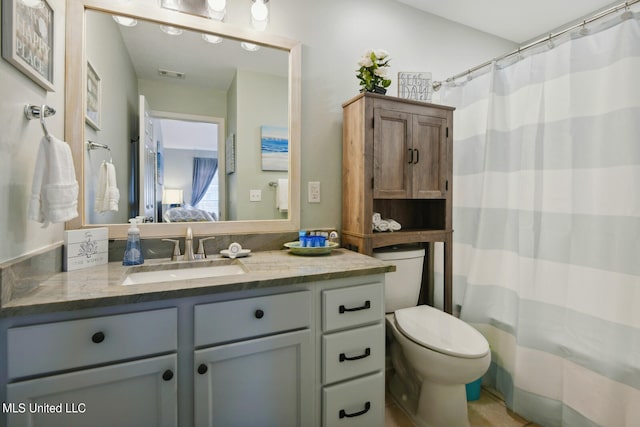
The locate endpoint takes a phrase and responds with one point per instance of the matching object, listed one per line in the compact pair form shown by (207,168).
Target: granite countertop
(102,285)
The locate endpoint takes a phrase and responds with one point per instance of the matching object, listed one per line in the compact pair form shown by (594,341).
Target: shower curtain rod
(437,84)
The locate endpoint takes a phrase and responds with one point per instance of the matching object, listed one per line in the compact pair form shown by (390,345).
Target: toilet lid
(441,332)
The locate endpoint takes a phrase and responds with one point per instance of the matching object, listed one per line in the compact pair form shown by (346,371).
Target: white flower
(365,61)
(382,72)
(381,54)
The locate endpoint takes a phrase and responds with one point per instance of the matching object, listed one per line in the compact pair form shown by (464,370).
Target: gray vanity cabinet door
(266,382)
(138,393)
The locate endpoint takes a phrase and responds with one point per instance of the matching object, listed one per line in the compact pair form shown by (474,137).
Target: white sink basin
(165,272)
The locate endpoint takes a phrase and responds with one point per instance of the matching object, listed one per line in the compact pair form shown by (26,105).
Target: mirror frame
(75,110)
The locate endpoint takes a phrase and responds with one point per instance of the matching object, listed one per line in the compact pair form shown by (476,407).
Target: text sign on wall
(415,85)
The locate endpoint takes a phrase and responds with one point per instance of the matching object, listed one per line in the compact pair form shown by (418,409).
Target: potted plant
(373,71)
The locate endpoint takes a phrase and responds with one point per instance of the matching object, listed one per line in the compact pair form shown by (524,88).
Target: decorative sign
(416,86)
(27,40)
(85,248)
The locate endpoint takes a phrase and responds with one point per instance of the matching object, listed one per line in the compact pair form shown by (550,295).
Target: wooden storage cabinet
(353,356)
(397,161)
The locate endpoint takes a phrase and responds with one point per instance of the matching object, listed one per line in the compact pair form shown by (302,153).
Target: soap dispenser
(133,251)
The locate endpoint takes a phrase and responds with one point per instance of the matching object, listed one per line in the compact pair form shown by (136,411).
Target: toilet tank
(402,287)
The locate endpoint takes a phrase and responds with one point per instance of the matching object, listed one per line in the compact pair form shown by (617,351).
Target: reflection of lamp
(172,197)
(126,22)
(172,31)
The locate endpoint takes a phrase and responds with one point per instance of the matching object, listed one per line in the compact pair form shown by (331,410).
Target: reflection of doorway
(184,143)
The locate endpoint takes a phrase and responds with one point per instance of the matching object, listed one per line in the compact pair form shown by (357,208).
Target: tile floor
(488,411)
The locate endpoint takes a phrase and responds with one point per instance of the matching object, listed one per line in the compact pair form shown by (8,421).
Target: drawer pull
(202,369)
(343,413)
(366,306)
(98,337)
(259,314)
(366,353)
(167,375)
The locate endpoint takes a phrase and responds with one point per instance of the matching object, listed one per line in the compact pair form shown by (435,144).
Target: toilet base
(437,405)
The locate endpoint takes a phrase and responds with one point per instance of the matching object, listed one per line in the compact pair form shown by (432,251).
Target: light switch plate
(314,192)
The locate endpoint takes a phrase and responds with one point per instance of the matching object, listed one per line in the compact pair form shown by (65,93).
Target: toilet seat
(441,332)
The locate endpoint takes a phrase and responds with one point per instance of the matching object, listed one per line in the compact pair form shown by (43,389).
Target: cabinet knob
(167,375)
(98,337)
(259,314)
(202,369)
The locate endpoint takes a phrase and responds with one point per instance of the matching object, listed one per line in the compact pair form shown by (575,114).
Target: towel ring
(34,112)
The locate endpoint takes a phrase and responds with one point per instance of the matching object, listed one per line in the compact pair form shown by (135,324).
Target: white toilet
(434,354)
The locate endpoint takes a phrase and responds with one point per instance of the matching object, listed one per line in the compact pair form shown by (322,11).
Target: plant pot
(380,90)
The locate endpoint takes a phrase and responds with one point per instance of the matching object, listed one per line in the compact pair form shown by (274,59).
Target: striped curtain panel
(547,225)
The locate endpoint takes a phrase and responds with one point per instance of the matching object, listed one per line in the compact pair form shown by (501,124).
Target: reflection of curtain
(547,226)
(203,171)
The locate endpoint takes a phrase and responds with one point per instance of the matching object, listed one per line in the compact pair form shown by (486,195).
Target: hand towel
(107,194)
(282,195)
(384,224)
(54,191)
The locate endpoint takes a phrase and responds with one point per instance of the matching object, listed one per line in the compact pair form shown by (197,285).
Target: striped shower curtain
(547,225)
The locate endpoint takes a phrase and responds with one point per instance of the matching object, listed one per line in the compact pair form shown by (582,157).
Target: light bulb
(217,9)
(259,11)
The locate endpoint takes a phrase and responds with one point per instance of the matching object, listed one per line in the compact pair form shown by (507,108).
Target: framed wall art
(93,97)
(274,146)
(27,39)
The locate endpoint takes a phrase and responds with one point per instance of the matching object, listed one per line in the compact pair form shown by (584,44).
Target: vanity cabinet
(397,161)
(353,355)
(254,362)
(61,374)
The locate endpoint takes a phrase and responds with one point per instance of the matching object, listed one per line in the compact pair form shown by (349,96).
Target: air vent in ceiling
(171,74)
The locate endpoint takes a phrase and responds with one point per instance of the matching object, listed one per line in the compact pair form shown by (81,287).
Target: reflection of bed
(187,214)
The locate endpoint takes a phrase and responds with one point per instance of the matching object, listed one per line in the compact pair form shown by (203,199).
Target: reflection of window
(210,200)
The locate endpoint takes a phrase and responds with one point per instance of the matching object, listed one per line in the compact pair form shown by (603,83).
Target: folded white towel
(54,191)
(384,224)
(282,195)
(107,194)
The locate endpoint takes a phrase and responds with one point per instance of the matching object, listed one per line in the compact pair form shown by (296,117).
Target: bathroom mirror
(89,53)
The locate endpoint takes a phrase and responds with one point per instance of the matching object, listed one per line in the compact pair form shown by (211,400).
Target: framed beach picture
(415,85)
(274,146)
(93,97)
(27,39)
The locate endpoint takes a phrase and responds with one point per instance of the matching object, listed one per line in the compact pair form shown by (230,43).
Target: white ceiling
(516,20)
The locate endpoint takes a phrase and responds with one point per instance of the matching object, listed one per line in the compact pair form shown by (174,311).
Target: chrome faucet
(188,246)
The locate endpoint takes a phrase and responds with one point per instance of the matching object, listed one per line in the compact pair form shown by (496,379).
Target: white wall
(334,33)
(19,141)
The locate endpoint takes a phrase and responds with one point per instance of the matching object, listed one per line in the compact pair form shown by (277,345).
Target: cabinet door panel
(429,157)
(265,382)
(128,394)
(391,154)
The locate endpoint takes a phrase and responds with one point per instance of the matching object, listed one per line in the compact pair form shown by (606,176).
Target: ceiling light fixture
(249,46)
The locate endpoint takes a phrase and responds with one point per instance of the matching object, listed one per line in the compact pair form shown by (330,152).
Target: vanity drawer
(356,403)
(352,353)
(240,319)
(71,344)
(353,306)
